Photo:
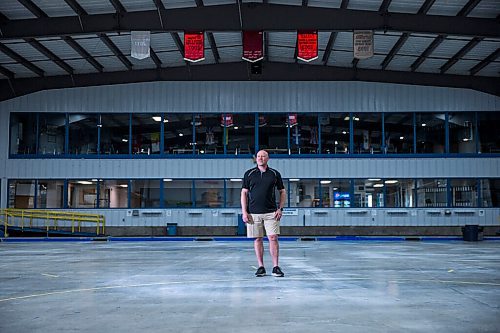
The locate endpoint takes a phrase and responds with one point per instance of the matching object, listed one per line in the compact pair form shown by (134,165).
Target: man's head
(262,158)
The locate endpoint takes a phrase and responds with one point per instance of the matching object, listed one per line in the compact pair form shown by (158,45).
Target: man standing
(258,205)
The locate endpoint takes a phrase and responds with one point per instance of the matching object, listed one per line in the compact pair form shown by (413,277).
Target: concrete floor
(329,286)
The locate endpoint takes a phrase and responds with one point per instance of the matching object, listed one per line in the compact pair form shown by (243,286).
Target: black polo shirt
(261,189)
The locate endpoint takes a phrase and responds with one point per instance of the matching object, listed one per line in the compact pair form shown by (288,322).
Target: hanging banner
(307,45)
(194,46)
(253,49)
(292,119)
(363,44)
(227,120)
(140,42)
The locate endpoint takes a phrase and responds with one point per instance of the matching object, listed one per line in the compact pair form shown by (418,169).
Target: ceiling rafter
(83,53)
(4,71)
(49,54)
(159,4)
(3,18)
(118,6)
(15,56)
(33,8)
(116,51)
(238,72)
(213,46)
(492,57)
(404,37)
(462,52)
(155,58)
(441,37)
(384,7)
(178,42)
(305,3)
(329,47)
(76,7)
(257,17)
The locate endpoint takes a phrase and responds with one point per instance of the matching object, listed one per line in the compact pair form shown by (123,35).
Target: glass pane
(179,133)
(209,193)
(145,193)
(464,192)
(398,129)
(209,134)
(303,133)
(114,133)
(83,133)
(399,193)
(50,194)
(82,194)
(177,193)
(489,139)
(430,133)
(334,133)
(335,193)
(490,192)
(240,137)
(52,131)
(23,133)
(113,193)
(277,194)
(368,193)
(432,192)
(273,133)
(21,193)
(302,193)
(233,190)
(367,133)
(462,132)
(146,130)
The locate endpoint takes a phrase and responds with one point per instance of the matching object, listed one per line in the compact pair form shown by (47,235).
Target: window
(23,128)
(368,192)
(50,194)
(145,193)
(430,128)
(303,193)
(489,139)
(464,192)
(367,133)
(273,134)
(177,193)
(304,137)
(334,129)
(51,133)
(432,192)
(209,193)
(398,128)
(209,134)
(335,193)
(399,192)
(113,193)
(146,133)
(83,132)
(462,131)
(179,133)
(82,193)
(22,193)
(240,134)
(114,134)
(490,192)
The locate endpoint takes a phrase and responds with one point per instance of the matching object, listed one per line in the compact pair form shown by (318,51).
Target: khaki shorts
(255,226)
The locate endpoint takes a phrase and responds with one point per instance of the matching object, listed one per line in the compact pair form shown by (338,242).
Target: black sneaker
(260,272)
(277,271)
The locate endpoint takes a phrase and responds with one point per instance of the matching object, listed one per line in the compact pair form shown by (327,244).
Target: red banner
(307,44)
(253,49)
(292,119)
(194,46)
(227,120)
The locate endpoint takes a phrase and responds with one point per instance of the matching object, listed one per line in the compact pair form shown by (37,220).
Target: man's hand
(278,214)
(247,218)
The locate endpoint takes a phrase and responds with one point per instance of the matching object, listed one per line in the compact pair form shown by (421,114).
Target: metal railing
(24,218)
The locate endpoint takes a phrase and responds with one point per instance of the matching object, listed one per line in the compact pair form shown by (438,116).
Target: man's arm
(244,204)
(278,214)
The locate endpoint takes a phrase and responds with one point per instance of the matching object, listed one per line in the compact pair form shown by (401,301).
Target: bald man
(259,209)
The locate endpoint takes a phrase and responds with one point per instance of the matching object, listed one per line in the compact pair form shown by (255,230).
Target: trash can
(171,229)
(472,233)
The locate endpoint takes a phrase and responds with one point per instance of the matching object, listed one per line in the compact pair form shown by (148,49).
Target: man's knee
(258,240)
(273,238)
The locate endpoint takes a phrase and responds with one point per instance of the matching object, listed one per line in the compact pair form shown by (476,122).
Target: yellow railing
(24,217)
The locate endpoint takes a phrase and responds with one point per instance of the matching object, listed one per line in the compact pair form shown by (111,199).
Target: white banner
(140,41)
(363,44)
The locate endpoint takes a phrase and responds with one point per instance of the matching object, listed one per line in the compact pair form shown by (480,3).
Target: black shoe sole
(260,275)
(278,275)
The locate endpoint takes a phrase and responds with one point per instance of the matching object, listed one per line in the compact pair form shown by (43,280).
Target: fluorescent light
(401,138)
(157,118)
(346,118)
(424,124)
(344,132)
(336,142)
(325,181)
(356,118)
(374,179)
(235,179)
(180,134)
(167,179)
(124,140)
(391,181)
(294,179)
(123,185)
(378,185)
(84,182)
(236,127)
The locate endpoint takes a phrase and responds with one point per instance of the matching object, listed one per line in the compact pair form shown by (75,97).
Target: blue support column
(446,134)
(351,134)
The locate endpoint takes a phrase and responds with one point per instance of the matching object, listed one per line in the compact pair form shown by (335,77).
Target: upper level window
(334,133)
(51,133)
(239,133)
(115,133)
(367,133)
(83,132)
(398,128)
(304,133)
(209,134)
(146,133)
(462,129)
(23,129)
(430,129)
(489,139)
(179,133)
(273,133)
